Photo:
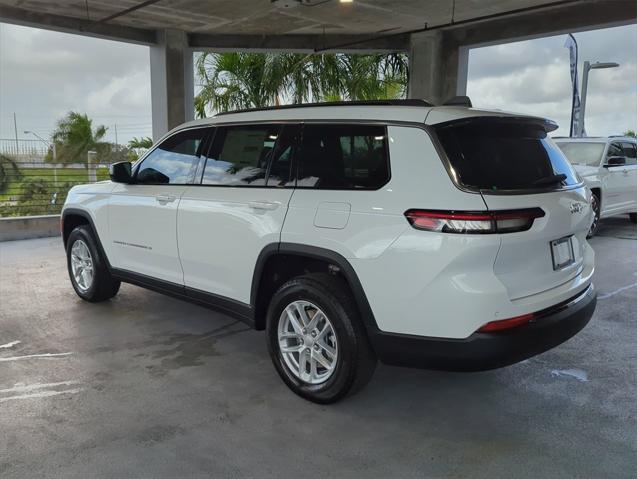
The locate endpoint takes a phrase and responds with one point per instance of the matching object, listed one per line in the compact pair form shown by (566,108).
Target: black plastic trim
(237,309)
(86,215)
(314,252)
(484,351)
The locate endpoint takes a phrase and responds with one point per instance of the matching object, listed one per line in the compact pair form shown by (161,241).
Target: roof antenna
(453,11)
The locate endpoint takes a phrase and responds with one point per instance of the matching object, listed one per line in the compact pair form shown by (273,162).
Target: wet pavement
(149,386)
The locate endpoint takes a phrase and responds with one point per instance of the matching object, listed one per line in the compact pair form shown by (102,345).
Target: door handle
(263,205)
(165,199)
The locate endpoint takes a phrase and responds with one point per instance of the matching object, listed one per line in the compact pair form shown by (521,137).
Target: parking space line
(31,387)
(35,356)
(617,291)
(40,394)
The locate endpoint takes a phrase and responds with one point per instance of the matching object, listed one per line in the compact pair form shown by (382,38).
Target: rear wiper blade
(549,180)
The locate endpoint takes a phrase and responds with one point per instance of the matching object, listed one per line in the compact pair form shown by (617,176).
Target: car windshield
(580,153)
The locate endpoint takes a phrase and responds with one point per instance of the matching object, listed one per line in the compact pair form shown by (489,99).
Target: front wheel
(596,211)
(633,217)
(316,341)
(87,268)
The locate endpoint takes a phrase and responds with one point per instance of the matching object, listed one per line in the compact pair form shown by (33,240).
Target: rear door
(237,208)
(630,177)
(514,165)
(143,215)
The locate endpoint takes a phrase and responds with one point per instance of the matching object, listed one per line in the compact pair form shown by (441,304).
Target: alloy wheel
(307,342)
(82,265)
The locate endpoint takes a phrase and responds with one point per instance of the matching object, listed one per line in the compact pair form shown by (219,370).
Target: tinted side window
(240,155)
(614,149)
(175,160)
(343,157)
(630,153)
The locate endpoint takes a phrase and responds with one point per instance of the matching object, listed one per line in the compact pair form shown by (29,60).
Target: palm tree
(144,143)
(74,137)
(247,80)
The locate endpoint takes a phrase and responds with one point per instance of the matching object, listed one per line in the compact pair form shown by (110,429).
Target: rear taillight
(503,324)
(503,221)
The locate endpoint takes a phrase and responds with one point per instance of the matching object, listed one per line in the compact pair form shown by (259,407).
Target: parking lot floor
(149,386)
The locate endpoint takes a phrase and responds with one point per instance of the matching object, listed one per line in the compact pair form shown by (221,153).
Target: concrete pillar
(171,81)
(437,67)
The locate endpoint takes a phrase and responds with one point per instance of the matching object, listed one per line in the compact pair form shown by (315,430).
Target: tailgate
(529,262)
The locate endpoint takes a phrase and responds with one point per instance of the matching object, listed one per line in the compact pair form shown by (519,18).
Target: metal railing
(38,188)
(23,150)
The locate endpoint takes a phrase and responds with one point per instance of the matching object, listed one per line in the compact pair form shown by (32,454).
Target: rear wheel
(316,341)
(633,217)
(596,209)
(87,268)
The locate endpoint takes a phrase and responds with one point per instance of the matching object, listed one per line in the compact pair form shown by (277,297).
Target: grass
(76,176)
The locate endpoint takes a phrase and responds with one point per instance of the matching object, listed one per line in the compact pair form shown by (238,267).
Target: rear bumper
(482,351)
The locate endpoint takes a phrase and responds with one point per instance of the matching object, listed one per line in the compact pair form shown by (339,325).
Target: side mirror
(120,172)
(615,161)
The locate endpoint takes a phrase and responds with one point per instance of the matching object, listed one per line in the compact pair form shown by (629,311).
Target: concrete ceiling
(264,17)
(314,25)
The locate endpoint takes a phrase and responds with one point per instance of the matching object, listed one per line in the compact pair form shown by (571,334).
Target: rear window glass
(583,153)
(496,155)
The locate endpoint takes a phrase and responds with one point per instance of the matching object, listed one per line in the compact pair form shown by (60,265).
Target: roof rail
(459,100)
(408,102)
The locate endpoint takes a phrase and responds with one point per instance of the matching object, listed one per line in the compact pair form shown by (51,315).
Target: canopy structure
(437,33)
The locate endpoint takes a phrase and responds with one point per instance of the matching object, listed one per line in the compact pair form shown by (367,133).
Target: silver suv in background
(608,166)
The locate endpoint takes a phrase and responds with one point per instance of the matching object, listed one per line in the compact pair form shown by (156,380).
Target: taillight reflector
(503,221)
(506,323)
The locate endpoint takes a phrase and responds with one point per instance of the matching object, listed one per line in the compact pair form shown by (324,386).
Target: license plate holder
(562,253)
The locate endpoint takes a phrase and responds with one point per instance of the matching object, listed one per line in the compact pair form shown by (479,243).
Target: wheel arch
(72,218)
(297,258)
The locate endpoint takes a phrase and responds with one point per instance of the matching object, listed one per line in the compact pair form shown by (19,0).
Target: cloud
(533,77)
(45,74)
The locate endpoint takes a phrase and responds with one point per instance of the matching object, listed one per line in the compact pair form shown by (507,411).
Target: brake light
(506,323)
(503,221)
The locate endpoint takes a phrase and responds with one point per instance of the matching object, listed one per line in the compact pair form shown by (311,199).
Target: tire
(354,362)
(633,217)
(102,285)
(595,205)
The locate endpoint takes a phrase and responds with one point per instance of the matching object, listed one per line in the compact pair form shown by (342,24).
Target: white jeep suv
(437,237)
(608,166)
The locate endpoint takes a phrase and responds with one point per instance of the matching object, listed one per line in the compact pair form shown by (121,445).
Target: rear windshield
(503,155)
(583,153)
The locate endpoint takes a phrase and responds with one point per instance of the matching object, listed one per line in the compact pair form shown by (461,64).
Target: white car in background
(608,166)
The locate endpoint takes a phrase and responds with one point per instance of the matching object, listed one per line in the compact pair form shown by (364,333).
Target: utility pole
(116,142)
(15,128)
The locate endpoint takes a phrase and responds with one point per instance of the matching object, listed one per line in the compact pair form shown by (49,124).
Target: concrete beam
(172,83)
(299,43)
(59,23)
(582,16)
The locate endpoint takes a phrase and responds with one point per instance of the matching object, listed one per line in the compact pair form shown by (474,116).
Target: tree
(74,137)
(9,173)
(143,142)
(630,133)
(231,81)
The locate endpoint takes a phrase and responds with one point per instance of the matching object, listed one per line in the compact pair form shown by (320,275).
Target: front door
(618,182)
(143,214)
(225,222)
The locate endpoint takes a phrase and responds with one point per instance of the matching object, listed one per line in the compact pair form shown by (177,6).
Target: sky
(44,74)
